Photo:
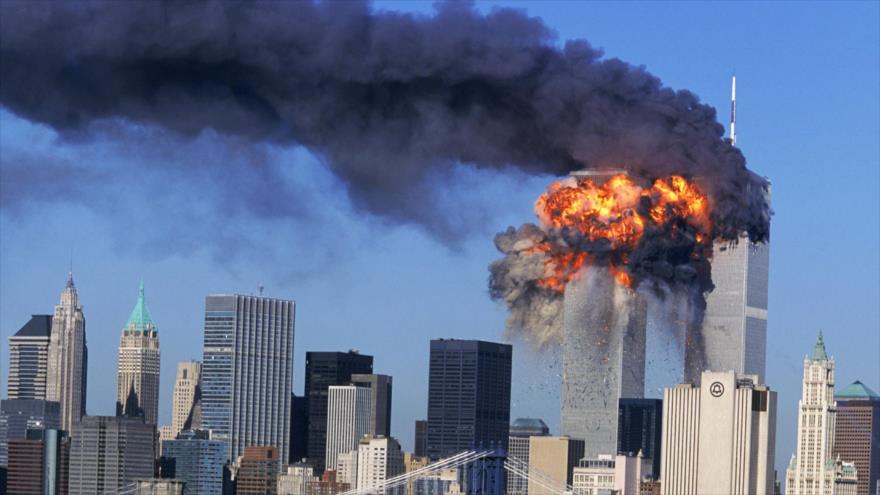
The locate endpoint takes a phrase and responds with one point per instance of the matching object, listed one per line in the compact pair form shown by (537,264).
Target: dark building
(28,359)
(639,428)
(380,401)
(299,429)
(468,396)
(324,369)
(19,415)
(38,463)
(421,447)
(108,453)
(857,433)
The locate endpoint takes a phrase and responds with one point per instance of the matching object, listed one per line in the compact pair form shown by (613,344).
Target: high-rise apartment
(324,369)
(108,453)
(348,419)
(137,368)
(379,459)
(518,447)
(28,359)
(639,429)
(197,460)
(257,472)
(813,469)
(67,365)
(185,386)
(17,416)
(719,437)
(551,463)
(857,433)
(380,401)
(468,396)
(247,371)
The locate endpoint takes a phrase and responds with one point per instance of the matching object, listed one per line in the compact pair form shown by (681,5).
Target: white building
(347,467)
(185,384)
(68,358)
(137,366)
(295,480)
(619,475)
(813,470)
(718,438)
(348,419)
(379,458)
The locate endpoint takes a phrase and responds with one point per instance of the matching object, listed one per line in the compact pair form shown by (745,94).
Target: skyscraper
(380,401)
(137,369)
(324,369)
(299,429)
(109,453)
(857,433)
(17,416)
(518,447)
(639,429)
(185,385)
(28,359)
(247,371)
(720,437)
(198,460)
(813,470)
(468,396)
(67,365)
(38,463)
(348,419)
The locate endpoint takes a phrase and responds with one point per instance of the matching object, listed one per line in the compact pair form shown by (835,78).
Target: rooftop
(140,315)
(37,326)
(857,390)
(819,353)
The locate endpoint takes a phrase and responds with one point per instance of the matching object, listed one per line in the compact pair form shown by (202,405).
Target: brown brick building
(257,472)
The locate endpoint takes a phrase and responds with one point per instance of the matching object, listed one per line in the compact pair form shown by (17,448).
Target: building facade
(348,420)
(347,467)
(137,366)
(857,433)
(620,475)
(468,396)
(380,401)
(28,359)
(198,461)
(38,463)
(67,366)
(186,384)
(518,447)
(551,463)
(324,369)
(257,472)
(17,416)
(640,428)
(299,429)
(295,480)
(379,459)
(247,371)
(421,438)
(108,453)
(718,438)
(158,486)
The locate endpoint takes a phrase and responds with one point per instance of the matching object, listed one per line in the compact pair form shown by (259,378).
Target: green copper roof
(140,315)
(858,390)
(819,351)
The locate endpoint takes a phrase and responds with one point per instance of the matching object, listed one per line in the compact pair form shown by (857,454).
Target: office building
(257,472)
(857,433)
(348,419)
(518,448)
(347,467)
(158,486)
(421,438)
(440,482)
(108,453)
(551,463)
(324,369)
(813,469)
(412,462)
(38,463)
(468,396)
(17,416)
(380,401)
(379,459)
(299,429)
(327,485)
(137,369)
(247,371)
(28,359)
(295,480)
(603,357)
(639,429)
(186,385)
(718,438)
(198,461)
(67,366)
(620,475)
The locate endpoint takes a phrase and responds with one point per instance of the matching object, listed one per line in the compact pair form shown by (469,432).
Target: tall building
(257,472)
(186,385)
(17,416)
(38,463)
(468,396)
(857,433)
(603,357)
(299,429)
(108,453)
(197,460)
(551,463)
(348,419)
(324,369)
(639,429)
(380,402)
(28,359)
(379,459)
(421,438)
(67,366)
(812,469)
(247,371)
(518,447)
(720,437)
(137,368)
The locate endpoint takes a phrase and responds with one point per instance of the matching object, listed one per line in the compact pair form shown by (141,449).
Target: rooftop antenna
(260,288)
(733,110)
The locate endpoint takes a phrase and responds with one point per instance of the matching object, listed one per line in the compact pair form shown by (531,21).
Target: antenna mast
(733,111)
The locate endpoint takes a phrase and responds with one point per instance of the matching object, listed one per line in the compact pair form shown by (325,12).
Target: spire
(819,350)
(140,315)
(70,284)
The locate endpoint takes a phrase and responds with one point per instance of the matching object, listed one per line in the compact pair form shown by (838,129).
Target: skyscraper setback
(248,340)
(28,359)
(67,365)
(137,371)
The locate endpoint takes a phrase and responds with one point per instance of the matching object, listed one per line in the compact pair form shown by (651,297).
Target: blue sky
(808,106)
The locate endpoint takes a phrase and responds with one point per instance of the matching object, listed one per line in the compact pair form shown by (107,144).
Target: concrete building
(17,416)
(28,359)
(324,369)
(468,396)
(603,357)
(107,454)
(348,420)
(186,384)
(857,433)
(198,461)
(295,480)
(620,475)
(156,486)
(67,365)
(518,447)
(639,429)
(380,401)
(38,463)
(379,459)
(137,369)
(421,438)
(718,438)
(347,467)
(813,469)
(551,463)
(247,372)
(257,472)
